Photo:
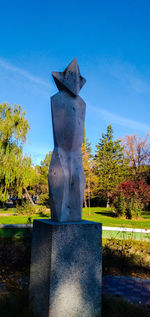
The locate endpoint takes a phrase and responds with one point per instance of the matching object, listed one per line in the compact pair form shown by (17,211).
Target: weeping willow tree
(16,171)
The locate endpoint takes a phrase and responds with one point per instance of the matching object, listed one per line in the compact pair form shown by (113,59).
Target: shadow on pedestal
(66,265)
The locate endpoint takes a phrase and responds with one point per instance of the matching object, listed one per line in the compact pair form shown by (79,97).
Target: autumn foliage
(138,189)
(131,197)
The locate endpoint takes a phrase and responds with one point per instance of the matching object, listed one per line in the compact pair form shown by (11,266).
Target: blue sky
(111,42)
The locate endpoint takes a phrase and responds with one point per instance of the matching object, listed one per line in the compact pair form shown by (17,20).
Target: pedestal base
(66,265)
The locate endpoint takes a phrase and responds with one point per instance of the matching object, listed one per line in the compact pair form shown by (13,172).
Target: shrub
(127,207)
(27,209)
(42,210)
(43,199)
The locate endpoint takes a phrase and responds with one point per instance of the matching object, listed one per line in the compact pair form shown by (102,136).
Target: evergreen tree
(111,167)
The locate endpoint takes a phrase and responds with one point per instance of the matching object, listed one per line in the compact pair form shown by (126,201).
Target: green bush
(128,207)
(27,209)
(43,199)
(42,210)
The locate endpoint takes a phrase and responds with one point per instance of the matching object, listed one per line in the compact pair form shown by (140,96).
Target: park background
(111,42)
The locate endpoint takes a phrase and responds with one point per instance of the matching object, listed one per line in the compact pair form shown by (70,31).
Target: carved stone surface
(66,269)
(66,176)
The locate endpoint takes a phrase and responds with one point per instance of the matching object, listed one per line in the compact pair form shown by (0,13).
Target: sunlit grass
(107,218)
(97,214)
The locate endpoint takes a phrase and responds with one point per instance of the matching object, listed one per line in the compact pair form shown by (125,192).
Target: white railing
(104,228)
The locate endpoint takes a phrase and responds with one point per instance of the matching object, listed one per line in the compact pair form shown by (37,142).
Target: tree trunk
(89,196)
(85,203)
(29,197)
(108,202)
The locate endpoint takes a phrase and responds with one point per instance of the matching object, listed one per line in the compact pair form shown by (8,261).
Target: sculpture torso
(66,176)
(68,115)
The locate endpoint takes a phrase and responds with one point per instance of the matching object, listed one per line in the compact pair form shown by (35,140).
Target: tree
(42,187)
(26,178)
(91,179)
(14,168)
(137,153)
(111,167)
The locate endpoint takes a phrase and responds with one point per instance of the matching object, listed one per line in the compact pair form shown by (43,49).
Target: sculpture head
(70,79)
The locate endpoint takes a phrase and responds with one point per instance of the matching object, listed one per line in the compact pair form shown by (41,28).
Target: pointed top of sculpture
(70,78)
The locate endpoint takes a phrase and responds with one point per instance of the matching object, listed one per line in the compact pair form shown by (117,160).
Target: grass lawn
(18,219)
(7,211)
(98,214)
(106,217)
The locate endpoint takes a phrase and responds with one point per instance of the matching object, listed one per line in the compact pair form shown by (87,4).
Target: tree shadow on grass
(107,214)
(43,215)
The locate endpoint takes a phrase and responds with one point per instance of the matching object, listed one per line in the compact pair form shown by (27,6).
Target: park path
(135,290)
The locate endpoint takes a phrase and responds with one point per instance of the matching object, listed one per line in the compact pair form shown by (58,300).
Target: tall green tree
(16,171)
(111,167)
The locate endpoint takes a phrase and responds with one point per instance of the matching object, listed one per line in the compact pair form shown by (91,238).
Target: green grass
(18,219)
(7,211)
(98,214)
(14,233)
(106,217)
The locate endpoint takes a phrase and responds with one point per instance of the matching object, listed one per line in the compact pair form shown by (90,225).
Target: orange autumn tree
(91,179)
(137,153)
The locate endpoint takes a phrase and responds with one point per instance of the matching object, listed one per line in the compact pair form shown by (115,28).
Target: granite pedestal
(66,265)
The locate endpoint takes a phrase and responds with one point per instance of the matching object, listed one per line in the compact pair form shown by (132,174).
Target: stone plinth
(65,277)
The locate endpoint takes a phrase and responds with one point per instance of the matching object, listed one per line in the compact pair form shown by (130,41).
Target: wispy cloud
(128,74)
(122,121)
(17,70)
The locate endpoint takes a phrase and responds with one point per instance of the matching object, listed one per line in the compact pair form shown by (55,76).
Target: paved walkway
(132,289)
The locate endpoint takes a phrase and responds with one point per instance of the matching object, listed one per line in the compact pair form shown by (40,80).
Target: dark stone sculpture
(66,176)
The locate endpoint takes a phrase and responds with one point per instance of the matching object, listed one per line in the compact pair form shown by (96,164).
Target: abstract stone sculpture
(66,176)
(66,260)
